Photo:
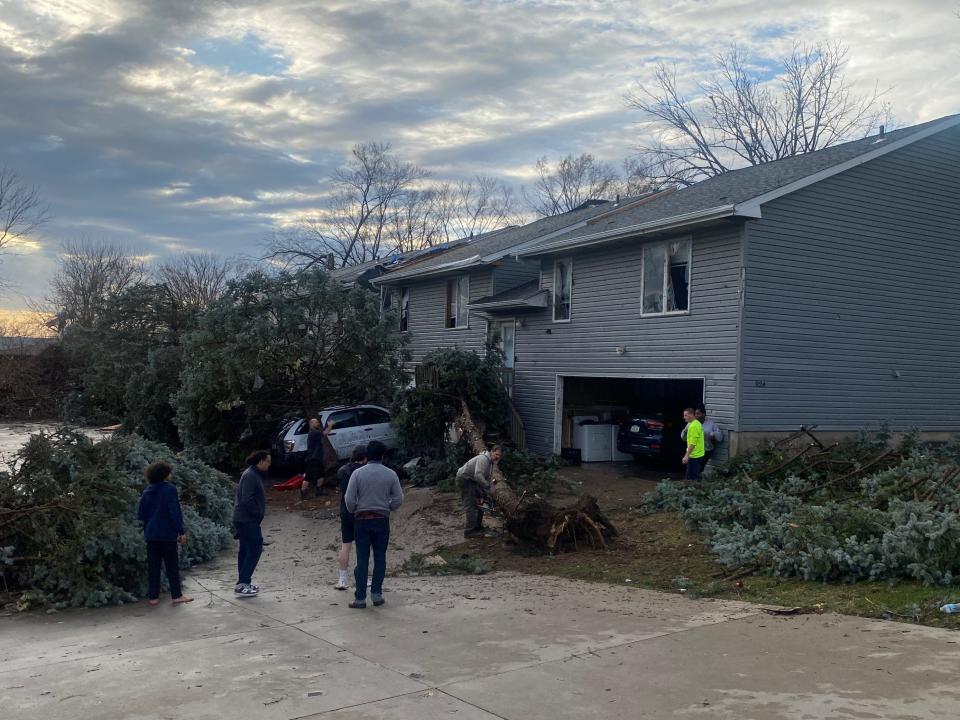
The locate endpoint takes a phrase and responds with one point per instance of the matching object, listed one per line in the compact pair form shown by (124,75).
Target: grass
(658,552)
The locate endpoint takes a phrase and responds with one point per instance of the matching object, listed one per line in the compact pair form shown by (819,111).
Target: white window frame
(403,309)
(448,299)
(666,271)
(553,289)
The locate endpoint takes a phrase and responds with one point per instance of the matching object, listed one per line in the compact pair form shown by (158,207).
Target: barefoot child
(162,528)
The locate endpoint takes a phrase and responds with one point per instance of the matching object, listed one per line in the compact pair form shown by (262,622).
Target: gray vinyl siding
(510,273)
(427,311)
(850,281)
(606,313)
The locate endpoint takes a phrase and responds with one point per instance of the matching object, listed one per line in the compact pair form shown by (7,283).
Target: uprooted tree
(532,520)
(280,345)
(69,535)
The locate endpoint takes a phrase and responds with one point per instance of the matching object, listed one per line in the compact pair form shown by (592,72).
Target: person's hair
(157,472)
(689,410)
(494,448)
(359,454)
(375,450)
(702,408)
(257,457)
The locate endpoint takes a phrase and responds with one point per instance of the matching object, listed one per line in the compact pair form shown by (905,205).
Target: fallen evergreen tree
(69,535)
(864,509)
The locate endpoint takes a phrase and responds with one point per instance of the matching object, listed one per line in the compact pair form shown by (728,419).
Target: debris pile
(863,509)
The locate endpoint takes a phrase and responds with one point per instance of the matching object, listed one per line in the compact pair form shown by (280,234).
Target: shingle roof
(740,186)
(482,248)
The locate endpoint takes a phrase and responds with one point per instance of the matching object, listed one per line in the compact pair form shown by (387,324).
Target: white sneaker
(342,581)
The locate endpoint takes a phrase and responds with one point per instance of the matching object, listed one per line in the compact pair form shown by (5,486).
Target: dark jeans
(314,474)
(165,552)
(370,534)
(694,468)
(707,457)
(251,547)
(469,494)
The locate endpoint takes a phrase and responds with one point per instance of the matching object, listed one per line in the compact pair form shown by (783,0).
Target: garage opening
(643,416)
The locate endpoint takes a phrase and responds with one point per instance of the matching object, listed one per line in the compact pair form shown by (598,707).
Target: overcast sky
(180,126)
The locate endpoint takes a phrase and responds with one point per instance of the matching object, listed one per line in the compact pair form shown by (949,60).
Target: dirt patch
(653,551)
(426,521)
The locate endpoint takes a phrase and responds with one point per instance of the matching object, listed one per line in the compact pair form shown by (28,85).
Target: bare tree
(474,207)
(195,279)
(90,273)
(354,228)
(739,118)
(21,210)
(573,181)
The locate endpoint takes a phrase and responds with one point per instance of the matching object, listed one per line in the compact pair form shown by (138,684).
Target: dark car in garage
(643,436)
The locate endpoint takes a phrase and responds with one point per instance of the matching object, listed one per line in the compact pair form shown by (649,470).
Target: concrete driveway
(494,646)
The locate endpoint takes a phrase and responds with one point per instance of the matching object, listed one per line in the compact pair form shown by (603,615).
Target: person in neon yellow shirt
(696,448)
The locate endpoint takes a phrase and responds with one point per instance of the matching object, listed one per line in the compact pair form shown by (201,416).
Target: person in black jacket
(248,512)
(314,460)
(358,458)
(159,511)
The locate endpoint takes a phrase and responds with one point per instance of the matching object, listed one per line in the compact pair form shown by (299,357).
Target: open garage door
(592,412)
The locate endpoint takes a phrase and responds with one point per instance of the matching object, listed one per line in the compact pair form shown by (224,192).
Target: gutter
(470,262)
(677,221)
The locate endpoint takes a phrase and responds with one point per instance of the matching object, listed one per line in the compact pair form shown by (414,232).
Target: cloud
(172,124)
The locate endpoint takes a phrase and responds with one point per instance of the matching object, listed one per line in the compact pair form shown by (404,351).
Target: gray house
(821,290)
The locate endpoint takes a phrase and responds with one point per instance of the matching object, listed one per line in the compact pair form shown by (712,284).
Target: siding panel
(853,298)
(606,313)
(427,310)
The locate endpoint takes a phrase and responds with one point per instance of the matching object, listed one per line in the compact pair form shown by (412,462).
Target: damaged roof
(494,245)
(528,295)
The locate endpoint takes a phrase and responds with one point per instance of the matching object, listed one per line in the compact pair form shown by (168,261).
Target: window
(386,298)
(458,296)
(404,309)
(343,419)
(373,416)
(665,284)
(562,289)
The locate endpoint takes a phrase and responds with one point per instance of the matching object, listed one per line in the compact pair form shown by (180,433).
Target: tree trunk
(533,521)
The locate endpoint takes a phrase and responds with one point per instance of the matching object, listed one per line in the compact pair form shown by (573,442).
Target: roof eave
(448,269)
(665,224)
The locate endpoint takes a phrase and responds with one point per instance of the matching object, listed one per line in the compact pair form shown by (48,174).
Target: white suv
(353,425)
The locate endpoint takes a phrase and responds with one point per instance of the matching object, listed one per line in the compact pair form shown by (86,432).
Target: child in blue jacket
(162,528)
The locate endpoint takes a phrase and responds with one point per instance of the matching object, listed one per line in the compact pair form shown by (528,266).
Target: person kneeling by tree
(474,479)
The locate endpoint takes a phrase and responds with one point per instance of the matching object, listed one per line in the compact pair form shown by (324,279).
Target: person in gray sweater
(373,492)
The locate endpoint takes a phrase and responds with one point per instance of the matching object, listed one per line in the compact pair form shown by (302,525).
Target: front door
(506,332)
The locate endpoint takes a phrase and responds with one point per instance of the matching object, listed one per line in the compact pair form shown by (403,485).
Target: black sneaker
(377,600)
(358,605)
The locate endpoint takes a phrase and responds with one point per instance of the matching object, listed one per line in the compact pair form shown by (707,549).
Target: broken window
(562,289)
(458,297)
(404,308)
(666,277)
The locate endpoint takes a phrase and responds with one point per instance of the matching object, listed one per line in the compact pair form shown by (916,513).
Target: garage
(593,410)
